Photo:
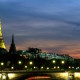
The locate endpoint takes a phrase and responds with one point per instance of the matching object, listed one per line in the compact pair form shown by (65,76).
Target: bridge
(42,74)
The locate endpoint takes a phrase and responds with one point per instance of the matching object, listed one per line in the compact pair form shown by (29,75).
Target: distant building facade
(31,53)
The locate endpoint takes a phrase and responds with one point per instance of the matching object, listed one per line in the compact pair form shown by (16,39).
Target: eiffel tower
(2,45)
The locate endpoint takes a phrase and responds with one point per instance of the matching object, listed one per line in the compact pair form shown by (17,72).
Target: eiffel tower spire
(2,45)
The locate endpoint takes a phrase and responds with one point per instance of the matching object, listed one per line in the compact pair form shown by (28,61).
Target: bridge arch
(34,75)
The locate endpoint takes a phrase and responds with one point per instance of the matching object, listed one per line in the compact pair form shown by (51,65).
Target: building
(12,49)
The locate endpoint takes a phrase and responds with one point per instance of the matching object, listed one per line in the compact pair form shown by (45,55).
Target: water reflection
(39,78)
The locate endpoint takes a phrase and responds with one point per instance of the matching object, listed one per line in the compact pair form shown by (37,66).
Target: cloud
(60,47)
(52,25)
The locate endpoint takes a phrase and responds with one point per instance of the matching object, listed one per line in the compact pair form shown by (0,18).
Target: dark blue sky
(52,25)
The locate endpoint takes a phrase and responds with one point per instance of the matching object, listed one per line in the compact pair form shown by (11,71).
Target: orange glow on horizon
(72,50)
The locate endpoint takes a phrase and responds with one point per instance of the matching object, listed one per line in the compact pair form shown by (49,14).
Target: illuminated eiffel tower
(2,45)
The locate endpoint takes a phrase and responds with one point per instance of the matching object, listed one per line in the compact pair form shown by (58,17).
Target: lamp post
(47,68)
(42,67)
(19,62)
(30,63)
(25,67)
(54,61)
(2,64)
(62,62)
(12,67)
(58,67)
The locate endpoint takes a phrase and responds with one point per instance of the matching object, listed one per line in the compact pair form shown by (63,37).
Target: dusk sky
(51,25)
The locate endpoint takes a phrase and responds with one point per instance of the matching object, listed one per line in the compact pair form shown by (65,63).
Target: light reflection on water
(39,78)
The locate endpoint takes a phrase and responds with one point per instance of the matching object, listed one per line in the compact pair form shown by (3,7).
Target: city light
(3,77)
(69,67)
(30,62)
(11,75)
(77,75)
(58,67)
(2,63)
(42,67)
(47,68)
(34,67)
(53,26)
(12,67)
(62,62)
(54,67)
(25,66)
(19,62)
(53,61)
(72,67)
(77,67)
(65,75)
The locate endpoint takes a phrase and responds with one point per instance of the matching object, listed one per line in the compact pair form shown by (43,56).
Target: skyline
(51,25)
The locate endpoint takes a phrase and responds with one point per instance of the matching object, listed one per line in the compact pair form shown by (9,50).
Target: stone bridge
(42,74)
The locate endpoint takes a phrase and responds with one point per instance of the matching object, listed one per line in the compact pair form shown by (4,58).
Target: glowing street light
(54,61)
(30,62)
(12,67)
(42,67)
(2,63)
(54,67)
(72,67)
(47,68)
(3,77)
(19,62)
(25,66)
(69,67)
(34,67)
(58,67)
(77,67)
(62,62)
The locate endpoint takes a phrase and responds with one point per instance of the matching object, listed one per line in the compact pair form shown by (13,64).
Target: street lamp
(34,67)
(69,67)
(19,62)
(25,67)
(2,63)
(54,61)
(58,67)
(30,65)
(62,62)
(42,67)
(54,67)
(12,67)
(30,62)
(3,77)
(72,67)
(47,68)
